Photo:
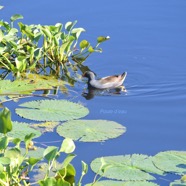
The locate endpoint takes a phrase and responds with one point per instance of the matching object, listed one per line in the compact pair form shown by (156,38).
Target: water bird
(109,82)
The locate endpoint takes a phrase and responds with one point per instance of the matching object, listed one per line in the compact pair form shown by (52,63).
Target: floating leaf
(38,153)
(52,110)
(90,130)
(46,126)
(178,183)
(19,130)
(171,161)
(120,183)
(129,167)
(32,83)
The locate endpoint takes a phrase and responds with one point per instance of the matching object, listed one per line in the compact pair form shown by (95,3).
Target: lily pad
(90,130)
(27,86)
(52,110)
(46,126)
(38,153)
(19,130)
(171,161)
(120,183)
(134,167)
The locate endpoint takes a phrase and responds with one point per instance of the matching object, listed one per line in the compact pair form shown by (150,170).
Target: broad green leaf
(77,31)
(127,168)
(21,129)
(171,161)
(69,25)
(52,110)
(50,153)
(67,146)
(48,182)
(90,130)
(5,121)
(68,173)
(15,17)
(32,161)
(15,155)
(84,44)
(4,142)
(5,160)
(67,160)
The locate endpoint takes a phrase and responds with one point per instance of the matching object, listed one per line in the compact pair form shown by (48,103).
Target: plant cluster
(16,164)
(37,48)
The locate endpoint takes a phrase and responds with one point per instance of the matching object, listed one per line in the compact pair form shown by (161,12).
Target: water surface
(148,40)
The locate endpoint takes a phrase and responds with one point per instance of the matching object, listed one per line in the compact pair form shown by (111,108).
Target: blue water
(148,40)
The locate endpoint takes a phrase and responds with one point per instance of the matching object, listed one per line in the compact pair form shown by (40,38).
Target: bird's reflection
(91,92)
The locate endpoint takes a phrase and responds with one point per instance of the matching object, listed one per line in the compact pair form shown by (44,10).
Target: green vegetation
(43,48)
(56,53)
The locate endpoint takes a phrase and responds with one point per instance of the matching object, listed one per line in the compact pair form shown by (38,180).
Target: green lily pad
(27,86)
(47,126)
(38,153)
(127,168)
(19,130)
(52,110)
(120,183)
(90,130)
(171,161)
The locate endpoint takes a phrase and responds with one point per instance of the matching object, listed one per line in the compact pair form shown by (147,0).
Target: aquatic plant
(37,48)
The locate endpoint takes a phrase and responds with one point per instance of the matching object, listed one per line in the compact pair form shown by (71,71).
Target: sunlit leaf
(120,183)
(15,17)
(90,130)
(67,146)
(69,25)
(52,110)
(128,168)
(5,121)
(19,130)
(171,161)
(50,153)
(4,142)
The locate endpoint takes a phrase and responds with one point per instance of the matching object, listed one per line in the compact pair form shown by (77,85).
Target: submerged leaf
(129,167)
(171,161)
(90,130)
(52,110)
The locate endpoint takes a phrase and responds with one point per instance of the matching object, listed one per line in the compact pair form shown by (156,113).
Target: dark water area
(148,40)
